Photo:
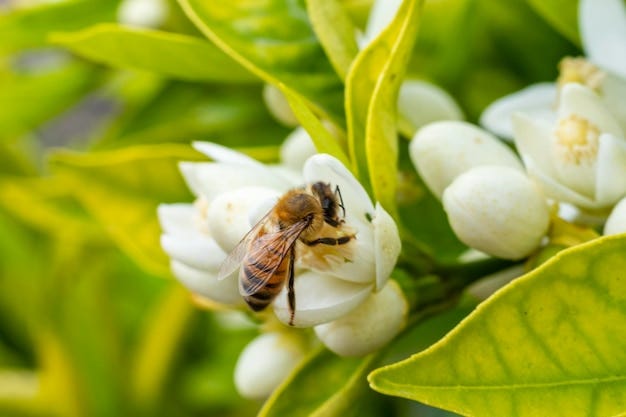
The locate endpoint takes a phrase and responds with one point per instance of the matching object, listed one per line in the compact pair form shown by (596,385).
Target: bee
(267,253)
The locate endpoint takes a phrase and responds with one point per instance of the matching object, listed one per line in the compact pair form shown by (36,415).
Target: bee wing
(272,248)
(235,257)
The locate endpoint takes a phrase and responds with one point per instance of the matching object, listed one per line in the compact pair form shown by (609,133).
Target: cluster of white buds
(491,204)
(343,291)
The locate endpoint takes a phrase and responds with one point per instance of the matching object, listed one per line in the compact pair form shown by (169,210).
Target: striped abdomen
(260,279)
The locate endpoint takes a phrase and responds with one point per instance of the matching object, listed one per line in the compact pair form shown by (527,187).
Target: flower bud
(296,149)
(278,106)
(616,223)
(443,150)
(265,363)
(368,327)
(497,210)
(420,103)
(143,13)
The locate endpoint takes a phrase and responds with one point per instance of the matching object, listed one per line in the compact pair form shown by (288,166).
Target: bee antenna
(338,194)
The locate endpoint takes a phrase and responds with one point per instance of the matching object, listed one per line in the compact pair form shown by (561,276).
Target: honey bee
(267,253)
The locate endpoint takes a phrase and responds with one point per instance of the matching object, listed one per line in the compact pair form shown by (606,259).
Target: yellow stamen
(577,140)
(579,70)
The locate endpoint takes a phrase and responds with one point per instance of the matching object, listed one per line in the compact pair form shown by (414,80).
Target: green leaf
(551,343)
(371,96)
(170,54)
(29,27)
(122,188)
(153,357)
(335,31)
(561,14)
(36,97)
(303,394)
(273,39)
(324,141)
(211,112)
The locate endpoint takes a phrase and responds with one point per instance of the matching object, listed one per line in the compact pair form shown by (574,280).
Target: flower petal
(228,216)
(420,103)
(443,150)
(382,13)
(265,363)
(296,149)
(602,25)
(387,245)
(613,91)
(143,13)
(536,101)
(616,223)
(368,327)
(220,153)
(198,251)
(327,169)
(611,175)
(577,99)
(210,179)
(225,291)
(557,191)
(320,299)
(177,219)
(532,140)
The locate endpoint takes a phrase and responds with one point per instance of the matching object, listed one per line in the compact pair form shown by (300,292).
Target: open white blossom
(234,191)
(602,25)
(580,158)
(143,13)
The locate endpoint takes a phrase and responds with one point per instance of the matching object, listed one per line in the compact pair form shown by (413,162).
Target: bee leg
(291,294)
(330,241)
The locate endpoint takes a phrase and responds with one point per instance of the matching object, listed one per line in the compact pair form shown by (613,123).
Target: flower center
(577,139)
(579,70)
(323,257)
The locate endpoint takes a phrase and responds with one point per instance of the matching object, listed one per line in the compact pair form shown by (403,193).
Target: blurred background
(91,321)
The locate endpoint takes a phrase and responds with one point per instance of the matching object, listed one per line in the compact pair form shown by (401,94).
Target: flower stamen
(577,140)
(579,70)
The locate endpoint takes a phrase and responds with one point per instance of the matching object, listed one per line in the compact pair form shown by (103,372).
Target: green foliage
(552,343)
(91,321)
(169,54)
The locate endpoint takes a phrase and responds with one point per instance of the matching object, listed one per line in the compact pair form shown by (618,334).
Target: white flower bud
(420,103)
(616,223)
(443,150)
(497,210)
(265,363)
(278,106)
(143,13)
(368,327)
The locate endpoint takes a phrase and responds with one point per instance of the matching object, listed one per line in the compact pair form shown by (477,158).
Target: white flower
(602,26)
(266,362)
(235,191)
(143,13)
(616,222)
(497,210)
(419,102)
(581,158)
(442,151)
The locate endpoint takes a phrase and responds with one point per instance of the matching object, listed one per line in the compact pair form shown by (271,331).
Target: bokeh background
(91,321)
